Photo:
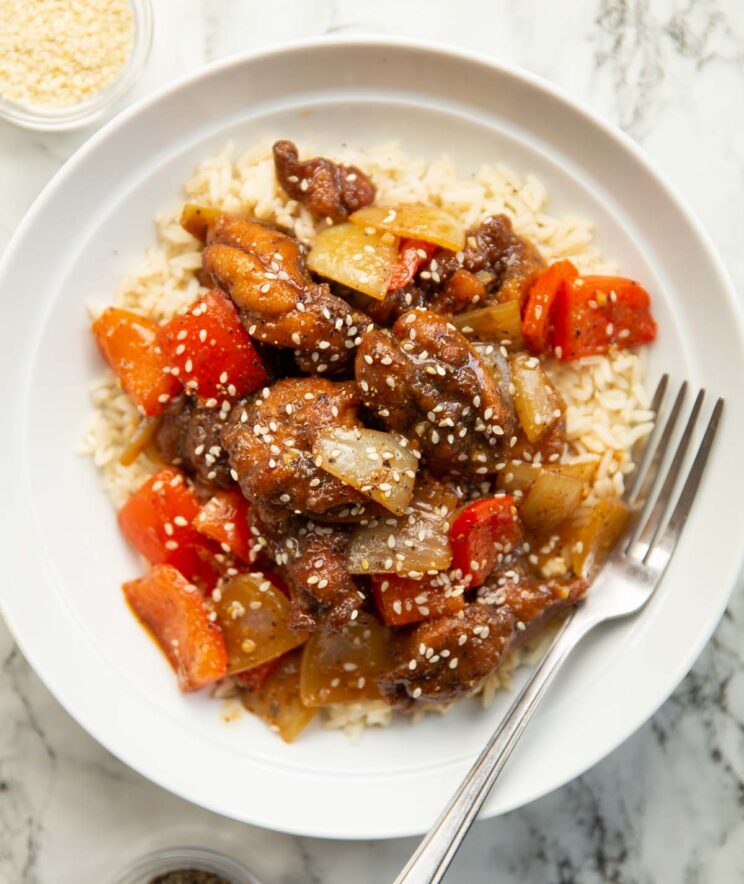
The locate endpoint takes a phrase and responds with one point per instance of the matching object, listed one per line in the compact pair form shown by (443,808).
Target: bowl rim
(416,45)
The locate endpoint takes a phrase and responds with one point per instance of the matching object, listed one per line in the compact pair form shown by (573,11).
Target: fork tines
(654,537)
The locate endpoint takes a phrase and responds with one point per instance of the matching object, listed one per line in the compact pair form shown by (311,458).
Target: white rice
(607,406)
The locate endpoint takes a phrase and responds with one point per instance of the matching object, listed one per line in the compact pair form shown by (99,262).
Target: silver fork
(623,587)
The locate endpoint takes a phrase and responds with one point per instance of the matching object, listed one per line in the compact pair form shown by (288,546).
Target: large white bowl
(63,558)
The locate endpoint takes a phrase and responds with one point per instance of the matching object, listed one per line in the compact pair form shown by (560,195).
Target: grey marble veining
(667,806)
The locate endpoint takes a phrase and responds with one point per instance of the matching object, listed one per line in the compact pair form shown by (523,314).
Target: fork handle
(436,851)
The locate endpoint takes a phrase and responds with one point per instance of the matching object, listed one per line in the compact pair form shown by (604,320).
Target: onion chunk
(592,541)
(428,223)
(551,501)
(255,618)
(414,544)
(278,701)
(496,322)
(538,402)
(361,259)
(344,666)
(378,464)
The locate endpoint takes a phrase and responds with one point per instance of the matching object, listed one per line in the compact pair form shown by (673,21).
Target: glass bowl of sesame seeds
(63,63)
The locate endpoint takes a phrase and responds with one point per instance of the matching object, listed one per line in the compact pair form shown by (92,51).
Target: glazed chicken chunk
(328,189)
(312,558)
(496,265)
(424,379)
(188,436)
(445,658)
(263,271)
(269,441)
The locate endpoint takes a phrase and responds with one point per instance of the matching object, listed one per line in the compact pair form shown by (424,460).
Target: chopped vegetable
(361,259)
(538,312)
(255,617)
(500,323)
(157,521)
(254,679)
(413,544)
(129,345)
(278,702)
(538,402)
(479,533)
(141,438)
(494,361)
(224,518)
(412,255)
(428,223)
(212,351)
(593,541)
(401,600)
(583,470)
(594,313)
(519,475)
(551,500)
(343,666)
(379,464)
(178,618)
(198,219)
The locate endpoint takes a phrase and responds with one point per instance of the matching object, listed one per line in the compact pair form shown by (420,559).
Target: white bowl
(64,559)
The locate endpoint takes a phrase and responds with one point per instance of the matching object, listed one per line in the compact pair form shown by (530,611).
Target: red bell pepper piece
(402,600)
(129,345)
(594,313)
(224,519)
(481,531)
(157,520)
(537,320)
(254,679)
(178,618)
(212,351)
(412,255)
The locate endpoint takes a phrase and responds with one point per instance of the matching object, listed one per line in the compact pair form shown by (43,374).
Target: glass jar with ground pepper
(186,865)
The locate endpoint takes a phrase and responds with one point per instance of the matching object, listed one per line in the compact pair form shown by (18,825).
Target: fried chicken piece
(390,308)
(270,244)
(424,379)
(508,263)
(278,302)
(269,442)
(328,189)
(312,559)
(452,655)
(462,290)
(188,436)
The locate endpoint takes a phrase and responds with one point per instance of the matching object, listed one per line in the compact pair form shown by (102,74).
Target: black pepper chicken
(425,380)
(405,501)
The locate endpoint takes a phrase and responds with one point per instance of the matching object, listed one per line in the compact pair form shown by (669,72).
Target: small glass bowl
(173,859)
(74,116)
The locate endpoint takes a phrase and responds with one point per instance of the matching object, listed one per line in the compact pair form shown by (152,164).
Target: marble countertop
(668,806)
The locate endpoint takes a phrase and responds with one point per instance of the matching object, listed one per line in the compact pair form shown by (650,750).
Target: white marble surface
(666,807)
